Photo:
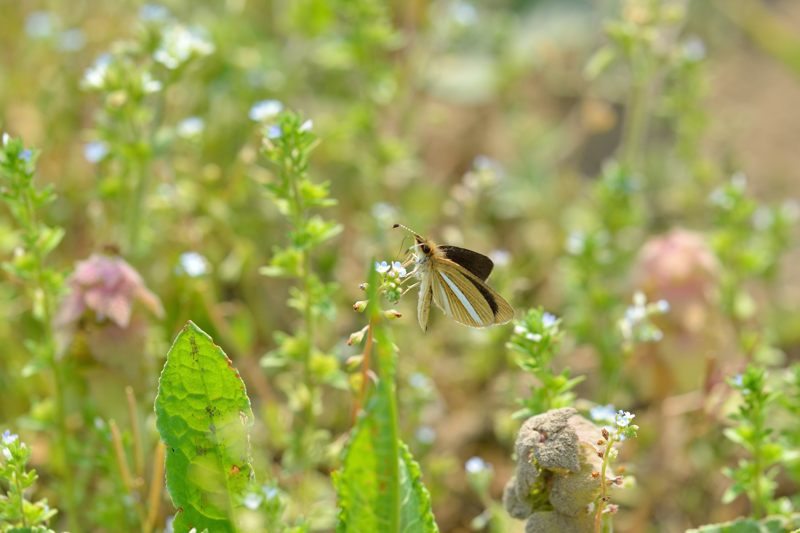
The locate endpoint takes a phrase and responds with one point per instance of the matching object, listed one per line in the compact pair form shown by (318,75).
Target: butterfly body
(455,280)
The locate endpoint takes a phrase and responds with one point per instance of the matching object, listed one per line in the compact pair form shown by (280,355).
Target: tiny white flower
(150,85)
(71,40)
(7,454)
(476,465)
(694,49)
(639,299)
(95,76)
(623,418)
(270,493)
(265,110)
(419,380)
(193,264)
(576,242)
(6,138)
(382,267)
(398,267)
(179,44)
(662,306)
(190,127)
(39,24)
(535,337)
(519,329)
(252,501)
(500,257)
(95,151)
(307,125)
(425,434)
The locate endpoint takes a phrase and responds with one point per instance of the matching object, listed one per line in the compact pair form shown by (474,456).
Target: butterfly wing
(478,264)
(424,302)
(465,297)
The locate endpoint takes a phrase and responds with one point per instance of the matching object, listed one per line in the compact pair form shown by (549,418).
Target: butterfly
(455,279)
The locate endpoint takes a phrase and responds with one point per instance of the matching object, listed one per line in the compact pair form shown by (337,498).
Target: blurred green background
(480,124)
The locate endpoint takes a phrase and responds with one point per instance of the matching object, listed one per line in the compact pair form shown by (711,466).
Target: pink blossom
(107,286)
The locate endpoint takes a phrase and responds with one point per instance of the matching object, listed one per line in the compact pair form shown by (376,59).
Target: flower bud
(392,314)
(360,306)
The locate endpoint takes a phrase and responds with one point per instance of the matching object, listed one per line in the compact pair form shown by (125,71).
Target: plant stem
(21,498)
(137,200)
(603,499)
(41,287)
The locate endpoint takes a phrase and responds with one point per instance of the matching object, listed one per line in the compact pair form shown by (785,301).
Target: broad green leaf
(379,486)
(203,415)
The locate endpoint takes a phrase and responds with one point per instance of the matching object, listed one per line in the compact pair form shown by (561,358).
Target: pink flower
(107,286)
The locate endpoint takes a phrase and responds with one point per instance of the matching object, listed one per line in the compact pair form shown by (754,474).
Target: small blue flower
(382,267)
(737,380)
(399,269)
(603,413)
(549,320)
(274,132)
(476,465)
(26,155)
(265,110)
(623,419)
(9,437)
(270,493)
(95,151)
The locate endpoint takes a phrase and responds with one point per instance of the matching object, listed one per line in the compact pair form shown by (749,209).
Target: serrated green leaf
(379,485)
(416,515)
(203,415)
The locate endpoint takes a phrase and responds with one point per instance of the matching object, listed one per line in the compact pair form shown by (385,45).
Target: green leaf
(203,415)
(379,486)
(415,507)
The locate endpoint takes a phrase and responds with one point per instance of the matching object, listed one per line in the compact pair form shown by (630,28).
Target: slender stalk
(603,499)
(21,500)
(365,364)
(55,368)
(156,482)
(138,453)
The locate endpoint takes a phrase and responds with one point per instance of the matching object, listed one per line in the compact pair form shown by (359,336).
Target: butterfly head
(426,247)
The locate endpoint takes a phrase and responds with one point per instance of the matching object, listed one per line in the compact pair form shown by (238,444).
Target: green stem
(603,499)
(20,497)
(62,436)
(137,201)
(758,508)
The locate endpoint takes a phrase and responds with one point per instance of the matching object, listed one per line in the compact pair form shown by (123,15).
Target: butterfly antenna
(411,231)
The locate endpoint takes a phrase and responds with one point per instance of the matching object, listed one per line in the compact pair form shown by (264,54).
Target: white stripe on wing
(462,298)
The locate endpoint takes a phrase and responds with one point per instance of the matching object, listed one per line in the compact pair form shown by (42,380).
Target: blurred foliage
(592,149)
